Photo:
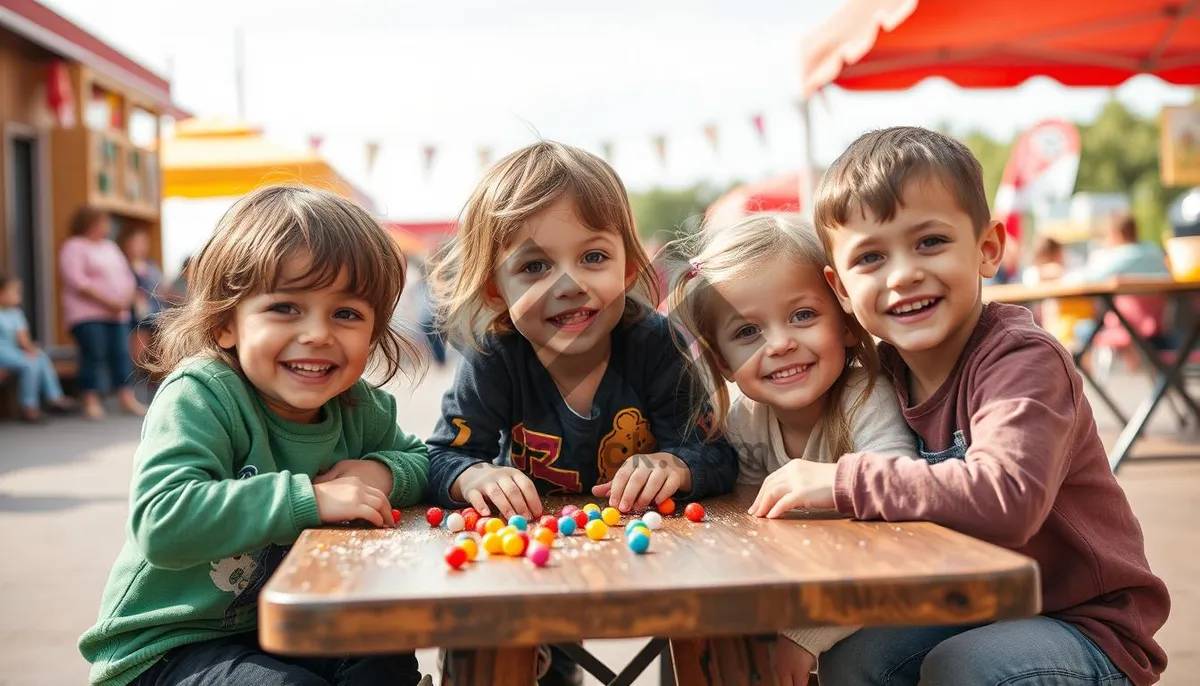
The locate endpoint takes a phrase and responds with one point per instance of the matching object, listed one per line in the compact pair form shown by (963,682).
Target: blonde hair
(245,257)
(516,188)
(718,254)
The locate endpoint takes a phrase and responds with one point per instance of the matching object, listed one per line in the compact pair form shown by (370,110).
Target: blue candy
(566,526)
(519,522)
(593,515)
(638,542)
(635,524)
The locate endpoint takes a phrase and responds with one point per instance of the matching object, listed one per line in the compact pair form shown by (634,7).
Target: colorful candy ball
(395,516)
(638,541)
(635,524)
(538,554)
(594,515)
(667,507)
(469,511)
(493,544)
(518,521)
(611,516)
(434,516)
(653,520)
(493,525)
(549,522)
(566,526)
(514,545)
(456,557)
(581,518)
(480,526)
(568,510)
(455,523)
(470,521)
(591,506)
(469,545)
(694,512)
(544,536)
(597,529)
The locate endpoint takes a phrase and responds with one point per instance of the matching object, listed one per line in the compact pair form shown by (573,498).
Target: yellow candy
(470,547)
(493,544)
(590,506)
(611,516)
(597,529)
(505,531)
(493,525)
(544,536)
(514,545)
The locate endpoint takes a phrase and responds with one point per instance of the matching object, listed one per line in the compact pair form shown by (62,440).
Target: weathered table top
(362,591)
(1020,293)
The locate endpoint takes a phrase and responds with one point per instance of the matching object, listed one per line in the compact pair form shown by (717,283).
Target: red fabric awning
(894,44)
(775,194)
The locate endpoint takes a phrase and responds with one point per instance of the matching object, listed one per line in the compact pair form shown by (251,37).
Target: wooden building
(80,124)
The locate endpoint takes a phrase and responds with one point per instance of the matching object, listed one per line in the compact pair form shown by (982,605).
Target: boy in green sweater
(262,428)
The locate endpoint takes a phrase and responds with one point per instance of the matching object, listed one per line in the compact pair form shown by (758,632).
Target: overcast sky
(466,75)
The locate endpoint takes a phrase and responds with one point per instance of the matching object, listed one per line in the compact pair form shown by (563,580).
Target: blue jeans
(103,347)
(239,661)
(1018,652)
(36,375)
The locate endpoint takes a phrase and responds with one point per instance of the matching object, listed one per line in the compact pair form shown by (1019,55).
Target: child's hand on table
(509,489)
(371,472)
(792,664)
(645,479)
(799,483)
(348,498)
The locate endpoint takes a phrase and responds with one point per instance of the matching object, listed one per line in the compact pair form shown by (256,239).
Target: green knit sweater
(221,489)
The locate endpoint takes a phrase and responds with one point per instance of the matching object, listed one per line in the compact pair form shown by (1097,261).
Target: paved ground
(63,491)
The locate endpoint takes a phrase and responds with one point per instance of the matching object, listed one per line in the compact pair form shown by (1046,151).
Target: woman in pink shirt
(98,290)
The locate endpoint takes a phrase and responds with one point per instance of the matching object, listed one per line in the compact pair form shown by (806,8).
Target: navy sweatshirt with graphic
(504,408)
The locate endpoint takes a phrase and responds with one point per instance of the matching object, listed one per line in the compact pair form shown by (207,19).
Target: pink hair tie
(694,269)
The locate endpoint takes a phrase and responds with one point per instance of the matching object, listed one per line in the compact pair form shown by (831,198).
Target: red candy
(667,507)
(524,536)
(481,526)
(396,516)
(549,522)
(470,519)
(456,557)
(580,517)
(470,511)
(434,516)
(694,512)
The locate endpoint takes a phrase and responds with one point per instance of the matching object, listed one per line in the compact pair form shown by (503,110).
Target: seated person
(35,372)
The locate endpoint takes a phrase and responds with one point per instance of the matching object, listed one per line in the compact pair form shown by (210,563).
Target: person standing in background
(148,298)
(97,294)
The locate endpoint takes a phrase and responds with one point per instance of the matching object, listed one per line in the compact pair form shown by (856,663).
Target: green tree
(663,213)
(1120,155)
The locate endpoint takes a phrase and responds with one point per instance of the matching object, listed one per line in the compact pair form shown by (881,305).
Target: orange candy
(667,507)
(544,536)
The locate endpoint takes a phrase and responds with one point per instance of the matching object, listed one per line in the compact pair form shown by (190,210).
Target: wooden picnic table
(1167,372)
(708,587)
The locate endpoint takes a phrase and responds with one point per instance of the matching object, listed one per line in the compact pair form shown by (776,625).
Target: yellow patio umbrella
(213,158)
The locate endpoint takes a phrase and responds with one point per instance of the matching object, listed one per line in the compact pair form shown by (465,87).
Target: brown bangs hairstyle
(873,172)
(245,257)
(513,190)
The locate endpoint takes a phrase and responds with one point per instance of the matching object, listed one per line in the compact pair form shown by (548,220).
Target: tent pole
(807,182)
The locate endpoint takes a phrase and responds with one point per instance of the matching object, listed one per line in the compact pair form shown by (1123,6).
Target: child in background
(805,371)
(1008,446)
(263,428)
(570,381)
(36,377)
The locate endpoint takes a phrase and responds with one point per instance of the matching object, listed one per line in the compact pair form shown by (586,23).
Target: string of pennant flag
(484,154)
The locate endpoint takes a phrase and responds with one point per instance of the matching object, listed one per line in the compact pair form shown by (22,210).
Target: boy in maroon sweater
(1008,444)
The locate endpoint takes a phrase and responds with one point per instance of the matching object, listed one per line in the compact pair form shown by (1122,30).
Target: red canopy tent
(895,44)
(776,194)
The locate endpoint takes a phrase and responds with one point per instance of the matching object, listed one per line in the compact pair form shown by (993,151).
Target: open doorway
(23,200)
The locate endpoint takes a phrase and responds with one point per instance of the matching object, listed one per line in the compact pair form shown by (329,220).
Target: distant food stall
(208,163)
(80,127)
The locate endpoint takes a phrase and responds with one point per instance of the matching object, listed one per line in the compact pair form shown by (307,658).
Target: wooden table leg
(723,661)
(489,666)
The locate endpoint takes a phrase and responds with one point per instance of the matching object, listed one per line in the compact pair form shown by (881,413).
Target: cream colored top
(878,427)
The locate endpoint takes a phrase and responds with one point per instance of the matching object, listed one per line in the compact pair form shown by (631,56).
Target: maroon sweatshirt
(1011,456)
